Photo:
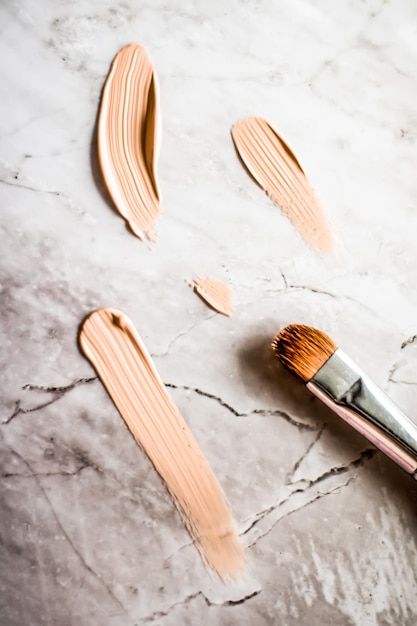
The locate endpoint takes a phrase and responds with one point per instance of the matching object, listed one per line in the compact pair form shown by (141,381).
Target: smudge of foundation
(129,137)
(215,293)
(111,343)
(276,169)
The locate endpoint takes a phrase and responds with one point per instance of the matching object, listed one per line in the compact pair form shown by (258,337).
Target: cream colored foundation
(128,138)
(216,294)
(114,348)
(275,168)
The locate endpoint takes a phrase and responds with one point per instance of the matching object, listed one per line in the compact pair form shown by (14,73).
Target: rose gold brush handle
(373,433)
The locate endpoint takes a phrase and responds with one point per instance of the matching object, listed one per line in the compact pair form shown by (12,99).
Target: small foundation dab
(215,293)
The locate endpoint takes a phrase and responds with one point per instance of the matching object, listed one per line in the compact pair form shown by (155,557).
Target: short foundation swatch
(114,348)
(275,168)
(128,138)
(215,293)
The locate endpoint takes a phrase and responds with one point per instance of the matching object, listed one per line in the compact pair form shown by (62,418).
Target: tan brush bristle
(303,350)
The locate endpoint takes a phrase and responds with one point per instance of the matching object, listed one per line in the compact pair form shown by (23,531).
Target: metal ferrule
(362,403)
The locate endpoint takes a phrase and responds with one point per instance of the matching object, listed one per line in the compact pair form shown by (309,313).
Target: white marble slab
(88,534)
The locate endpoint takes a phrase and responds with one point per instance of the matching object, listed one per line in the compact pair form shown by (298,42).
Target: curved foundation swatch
(215,293)
(114,348)
(128,138)
(275,168)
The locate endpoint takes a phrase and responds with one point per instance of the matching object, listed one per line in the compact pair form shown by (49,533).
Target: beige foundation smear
(111,343)
(128,138)
(275,168)
(215,293)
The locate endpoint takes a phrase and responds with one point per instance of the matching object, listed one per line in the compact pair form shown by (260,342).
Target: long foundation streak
(129,137)
(111,343)
(276,169)
(215,293)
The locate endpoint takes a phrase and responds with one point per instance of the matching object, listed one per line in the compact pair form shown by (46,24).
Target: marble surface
(88,534)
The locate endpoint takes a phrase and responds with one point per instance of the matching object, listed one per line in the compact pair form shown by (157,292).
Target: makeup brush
(338,382)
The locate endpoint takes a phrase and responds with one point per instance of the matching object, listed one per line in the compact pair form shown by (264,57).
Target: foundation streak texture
(276,169)
(111,343)
(129,137)
(215,293)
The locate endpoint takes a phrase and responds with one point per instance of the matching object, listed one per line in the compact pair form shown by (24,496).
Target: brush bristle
(303,350)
